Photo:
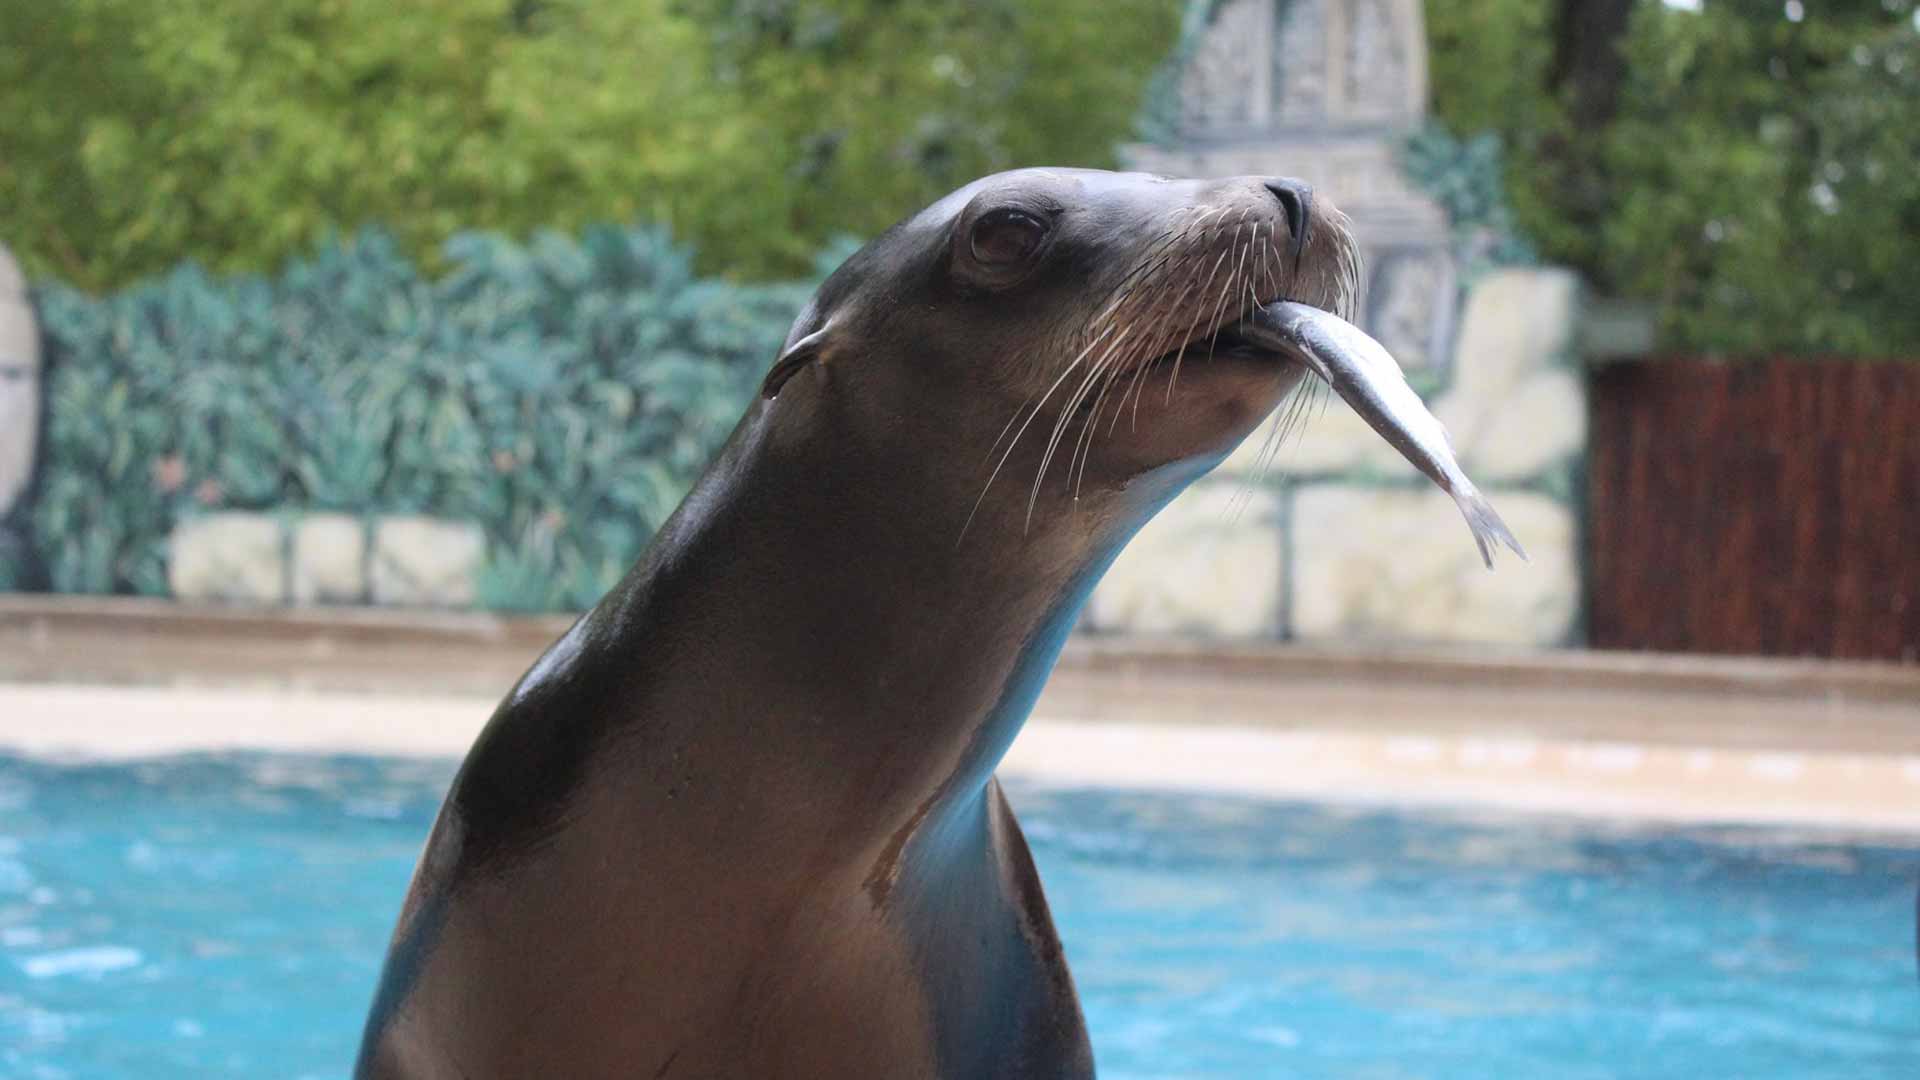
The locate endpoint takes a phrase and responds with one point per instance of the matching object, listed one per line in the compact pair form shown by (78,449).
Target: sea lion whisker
(1142,352)
(1189,335)
(1083,444)
(1070,409)
(1158,314)
(1286,420)
(1313,390)
(1267,260)
(1219,308)
(1282,417)
(1253,299)
(1299,405)
(1114,370)
(1011,420)
(1001,464)
(1152,261)
(1186,340)
(1031,416)
(1168,240)
(1135,278)
(1066,415)
(1212,212)
(1211,274)
(1164,314)
(1138,388)
(1133,382)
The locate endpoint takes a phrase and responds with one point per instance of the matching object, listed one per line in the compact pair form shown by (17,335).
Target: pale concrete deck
(1662,738)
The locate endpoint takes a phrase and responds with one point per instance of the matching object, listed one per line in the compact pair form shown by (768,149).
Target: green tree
(1770,199)
(238,132)
(1747,166)
(872,106)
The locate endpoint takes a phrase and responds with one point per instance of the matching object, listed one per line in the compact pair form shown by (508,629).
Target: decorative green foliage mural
(563,393)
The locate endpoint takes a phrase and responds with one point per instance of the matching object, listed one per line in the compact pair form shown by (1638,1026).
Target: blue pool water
(226,916)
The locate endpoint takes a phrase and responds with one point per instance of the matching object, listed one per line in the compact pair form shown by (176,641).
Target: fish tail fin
(1489,532)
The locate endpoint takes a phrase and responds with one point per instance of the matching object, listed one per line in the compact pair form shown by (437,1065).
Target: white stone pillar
(19,386)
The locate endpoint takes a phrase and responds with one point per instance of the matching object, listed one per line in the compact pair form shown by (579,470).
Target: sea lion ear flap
(803,352)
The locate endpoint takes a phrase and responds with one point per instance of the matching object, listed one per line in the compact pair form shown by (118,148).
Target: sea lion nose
(1296,200)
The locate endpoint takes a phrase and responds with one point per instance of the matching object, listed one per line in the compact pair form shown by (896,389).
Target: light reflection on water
(210,916)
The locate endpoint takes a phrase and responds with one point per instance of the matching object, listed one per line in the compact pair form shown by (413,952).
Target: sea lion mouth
(1357,367)
(1236,339)
(1218,287)
(1231,340)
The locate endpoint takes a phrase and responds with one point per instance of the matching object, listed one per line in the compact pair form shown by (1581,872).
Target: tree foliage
(1749,166)
(1755,177)
(239,132)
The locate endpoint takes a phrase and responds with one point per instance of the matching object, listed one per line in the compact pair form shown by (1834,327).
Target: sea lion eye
(1004,237)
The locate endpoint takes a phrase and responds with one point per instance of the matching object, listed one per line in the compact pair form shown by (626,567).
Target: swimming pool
(226,916)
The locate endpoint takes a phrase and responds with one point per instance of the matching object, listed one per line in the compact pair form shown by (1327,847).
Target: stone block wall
(401,561)
(1340,539)
(1337,539)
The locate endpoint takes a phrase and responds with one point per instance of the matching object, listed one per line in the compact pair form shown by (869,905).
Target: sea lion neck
(809,624)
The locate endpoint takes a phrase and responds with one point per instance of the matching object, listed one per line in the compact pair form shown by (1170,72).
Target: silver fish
(1361,371)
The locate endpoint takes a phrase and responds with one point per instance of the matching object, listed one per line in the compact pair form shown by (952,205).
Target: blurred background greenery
(355,255)
(1747,165)
(239,132)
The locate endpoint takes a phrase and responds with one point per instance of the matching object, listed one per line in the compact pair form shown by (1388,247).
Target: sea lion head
(1069,331)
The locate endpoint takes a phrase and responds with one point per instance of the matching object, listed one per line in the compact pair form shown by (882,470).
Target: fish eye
(1007,236)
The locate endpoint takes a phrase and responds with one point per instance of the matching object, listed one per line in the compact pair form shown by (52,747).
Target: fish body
(1365,375)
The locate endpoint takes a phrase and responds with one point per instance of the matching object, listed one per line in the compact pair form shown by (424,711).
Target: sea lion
(741,820)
